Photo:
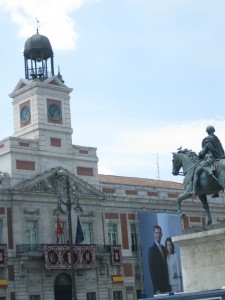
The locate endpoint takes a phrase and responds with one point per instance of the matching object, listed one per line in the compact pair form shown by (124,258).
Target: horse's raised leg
(179,200)
(204,201)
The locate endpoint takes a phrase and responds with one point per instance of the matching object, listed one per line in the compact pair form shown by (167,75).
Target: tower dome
(37,52)
(38,47)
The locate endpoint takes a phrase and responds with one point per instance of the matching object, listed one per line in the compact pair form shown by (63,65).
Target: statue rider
(212,149)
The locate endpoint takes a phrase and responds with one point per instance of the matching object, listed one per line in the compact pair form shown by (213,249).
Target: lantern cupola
(38,57)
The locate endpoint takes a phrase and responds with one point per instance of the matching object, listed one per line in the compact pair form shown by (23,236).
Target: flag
(79,233)
(59,229)
(3,282)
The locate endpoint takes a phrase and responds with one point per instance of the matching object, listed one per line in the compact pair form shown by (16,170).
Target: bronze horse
(207,185)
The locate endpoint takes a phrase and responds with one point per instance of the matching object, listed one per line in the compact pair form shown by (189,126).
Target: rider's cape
(214,145)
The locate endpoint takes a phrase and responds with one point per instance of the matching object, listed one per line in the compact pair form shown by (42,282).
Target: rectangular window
(152,193)
(63,236)
(1,231)
(137,273)
(55,142)
(133,237)
(25,165)
(111,216)
(83,151)
(85,171)
(117,295)
(131,192)
(138,292)
(112,234)
(31,232)
(116,270)
(87,232)
(130,296)
(103,268)
(91,296)
(35,297)
(23,144)
(108,191)
(171,195)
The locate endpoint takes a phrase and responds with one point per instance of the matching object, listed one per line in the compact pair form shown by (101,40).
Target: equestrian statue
(204,173)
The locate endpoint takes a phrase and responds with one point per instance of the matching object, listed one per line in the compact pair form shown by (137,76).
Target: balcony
(37,249)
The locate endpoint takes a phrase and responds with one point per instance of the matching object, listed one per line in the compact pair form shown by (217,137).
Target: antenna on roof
(157,163)
(37,23)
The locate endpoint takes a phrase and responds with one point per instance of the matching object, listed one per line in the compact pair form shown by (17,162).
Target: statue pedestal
(203,259)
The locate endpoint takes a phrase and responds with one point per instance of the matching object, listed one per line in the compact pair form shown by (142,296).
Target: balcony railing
(100,248)
(29,248)
(38,248)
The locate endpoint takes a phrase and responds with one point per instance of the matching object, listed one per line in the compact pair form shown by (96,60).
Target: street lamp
(70,191)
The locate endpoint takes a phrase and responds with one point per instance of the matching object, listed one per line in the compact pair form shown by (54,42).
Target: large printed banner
(171,226)
(58,257)
(3,256)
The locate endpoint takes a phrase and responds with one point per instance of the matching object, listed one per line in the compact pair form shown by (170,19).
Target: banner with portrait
(171,226)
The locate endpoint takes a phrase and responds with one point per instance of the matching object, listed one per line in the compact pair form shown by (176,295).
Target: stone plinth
(203,259)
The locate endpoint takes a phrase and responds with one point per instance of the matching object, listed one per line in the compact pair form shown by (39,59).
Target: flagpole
(69,206)
(69,203)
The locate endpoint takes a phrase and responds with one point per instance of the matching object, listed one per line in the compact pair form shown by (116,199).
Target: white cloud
(164,139)
(54,19)
(135,152)
(102,169)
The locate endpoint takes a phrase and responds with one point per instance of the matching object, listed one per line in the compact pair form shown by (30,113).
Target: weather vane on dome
(38,26)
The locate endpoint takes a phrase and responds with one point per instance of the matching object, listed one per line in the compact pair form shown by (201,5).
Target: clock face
(25,114)
(54,112)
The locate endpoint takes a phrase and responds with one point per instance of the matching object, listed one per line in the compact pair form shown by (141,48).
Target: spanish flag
(3,282)
(117,279)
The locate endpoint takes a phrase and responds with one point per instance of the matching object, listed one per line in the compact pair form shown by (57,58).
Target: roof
(121,180)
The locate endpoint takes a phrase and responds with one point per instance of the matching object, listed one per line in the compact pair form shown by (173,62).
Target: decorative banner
(58,257)
(116,255)
(117,279)
(3,256)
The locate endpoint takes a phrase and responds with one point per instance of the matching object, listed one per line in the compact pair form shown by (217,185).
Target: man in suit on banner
(158,264)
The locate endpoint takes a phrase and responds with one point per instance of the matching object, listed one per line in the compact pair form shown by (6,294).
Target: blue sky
(148,75)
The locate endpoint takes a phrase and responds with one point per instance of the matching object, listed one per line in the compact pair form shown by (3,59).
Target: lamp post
(69,190)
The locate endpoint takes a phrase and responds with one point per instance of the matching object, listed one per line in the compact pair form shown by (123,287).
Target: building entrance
(63,287)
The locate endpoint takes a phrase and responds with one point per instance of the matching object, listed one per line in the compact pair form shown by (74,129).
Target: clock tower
(42,137)
(41,104)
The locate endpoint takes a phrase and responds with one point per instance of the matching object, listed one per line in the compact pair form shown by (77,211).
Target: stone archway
(63,287)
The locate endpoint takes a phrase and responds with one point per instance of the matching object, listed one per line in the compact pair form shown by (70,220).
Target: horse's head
(184,159)
(177,164)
